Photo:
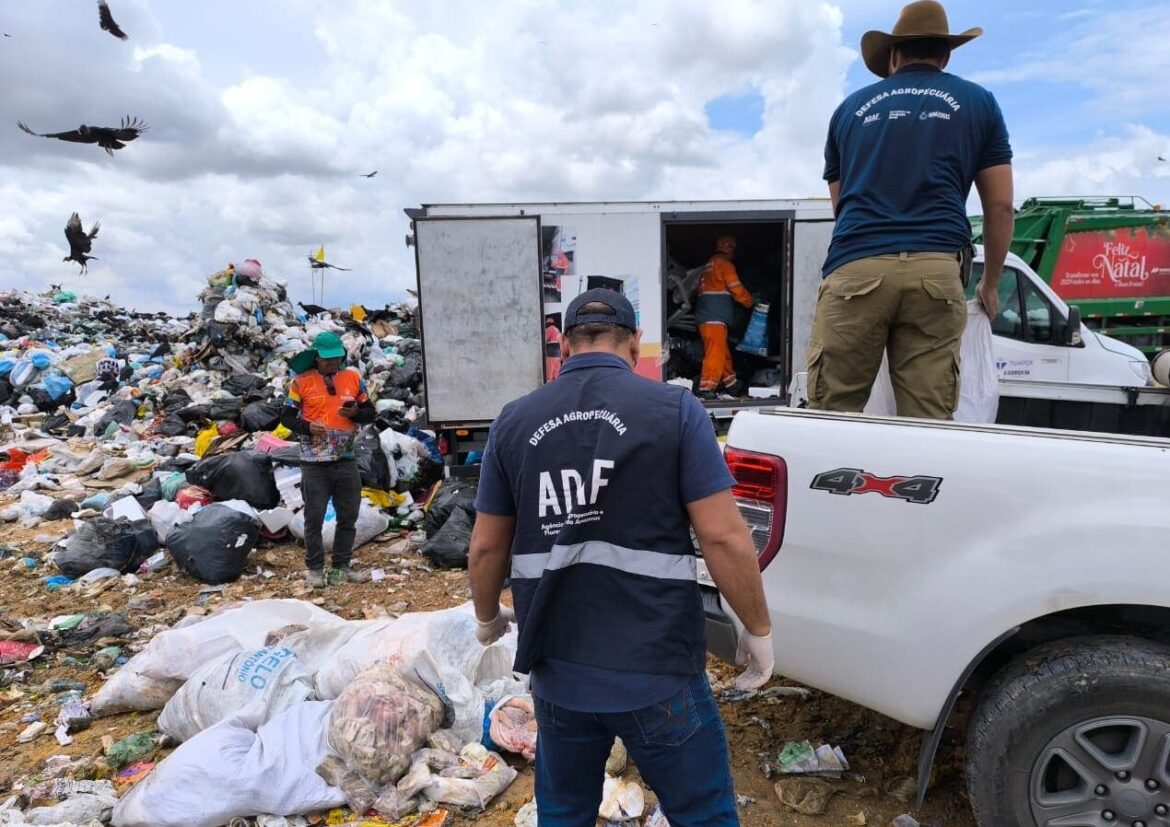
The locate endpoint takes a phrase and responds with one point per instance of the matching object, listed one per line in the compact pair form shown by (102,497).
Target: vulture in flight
(79,241)
(318,264)
(368,174)
(107,21)
(108,138)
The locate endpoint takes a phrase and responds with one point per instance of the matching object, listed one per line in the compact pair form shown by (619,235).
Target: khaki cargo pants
(909,303)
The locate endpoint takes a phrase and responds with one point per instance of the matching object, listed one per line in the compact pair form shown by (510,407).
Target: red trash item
(15,459)
(228,428)
(14,651)
(192,495)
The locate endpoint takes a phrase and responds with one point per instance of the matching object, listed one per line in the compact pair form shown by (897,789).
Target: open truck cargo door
(480,299)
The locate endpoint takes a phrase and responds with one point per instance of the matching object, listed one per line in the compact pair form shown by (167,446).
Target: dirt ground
(882,753)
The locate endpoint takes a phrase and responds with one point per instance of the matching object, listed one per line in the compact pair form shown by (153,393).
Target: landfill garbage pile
(125,421)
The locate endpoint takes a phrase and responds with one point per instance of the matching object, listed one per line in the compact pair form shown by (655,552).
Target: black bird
(323,265)
(368,174)
(1160,158)
(79,242)
(313,309)
(107,21)
(108,138)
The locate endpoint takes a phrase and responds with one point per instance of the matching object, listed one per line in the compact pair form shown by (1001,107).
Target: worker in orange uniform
(715,312)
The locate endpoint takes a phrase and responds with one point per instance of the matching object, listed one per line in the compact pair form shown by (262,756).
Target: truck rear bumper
(722,634)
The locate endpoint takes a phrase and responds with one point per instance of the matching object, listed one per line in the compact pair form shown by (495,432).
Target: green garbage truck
(1110,256)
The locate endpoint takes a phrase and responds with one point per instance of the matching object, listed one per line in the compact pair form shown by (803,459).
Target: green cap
(325,346)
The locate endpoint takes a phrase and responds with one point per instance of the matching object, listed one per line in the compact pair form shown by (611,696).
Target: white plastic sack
(238,767)
(152,676)
(438,648)
(228,313)
(269,678)
(370,523)
(979,382)
(164,516)
(85,807)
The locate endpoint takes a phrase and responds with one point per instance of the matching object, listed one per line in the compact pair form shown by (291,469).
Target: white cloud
(454,101)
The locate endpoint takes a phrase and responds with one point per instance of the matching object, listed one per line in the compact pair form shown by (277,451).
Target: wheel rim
(1104,772)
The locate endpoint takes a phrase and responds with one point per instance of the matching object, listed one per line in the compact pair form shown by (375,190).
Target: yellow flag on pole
(320,253)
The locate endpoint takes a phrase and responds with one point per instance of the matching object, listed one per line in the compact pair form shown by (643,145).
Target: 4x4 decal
(846,481)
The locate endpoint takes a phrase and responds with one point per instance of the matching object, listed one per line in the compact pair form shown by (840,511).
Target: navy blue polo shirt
(905,151)
(702,472)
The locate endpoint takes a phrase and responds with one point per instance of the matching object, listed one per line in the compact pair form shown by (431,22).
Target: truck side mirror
(1072,328)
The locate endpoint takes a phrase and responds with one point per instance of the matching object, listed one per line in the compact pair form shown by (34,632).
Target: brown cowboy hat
(921,19)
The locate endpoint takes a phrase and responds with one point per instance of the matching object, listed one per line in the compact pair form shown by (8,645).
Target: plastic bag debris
(243,475)
(809,796)
(513,725)
(80,808)
(102,543)
(370,523)
(621,800)
(450,547)
(380,720)
(214,544)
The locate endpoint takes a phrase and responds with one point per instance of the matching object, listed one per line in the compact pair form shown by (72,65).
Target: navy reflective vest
(603,566)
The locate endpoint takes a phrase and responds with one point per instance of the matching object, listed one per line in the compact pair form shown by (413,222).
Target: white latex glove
(756,654)
(494,629)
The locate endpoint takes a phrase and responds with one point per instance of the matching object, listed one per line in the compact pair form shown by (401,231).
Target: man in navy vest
(589,488)
(900,159)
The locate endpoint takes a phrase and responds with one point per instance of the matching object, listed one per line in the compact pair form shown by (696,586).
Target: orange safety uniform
(309,393)
(719,286)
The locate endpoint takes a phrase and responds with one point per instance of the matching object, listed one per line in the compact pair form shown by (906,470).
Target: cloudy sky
(263,114)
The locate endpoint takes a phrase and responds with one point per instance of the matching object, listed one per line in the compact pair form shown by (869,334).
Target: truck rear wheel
(1074,733)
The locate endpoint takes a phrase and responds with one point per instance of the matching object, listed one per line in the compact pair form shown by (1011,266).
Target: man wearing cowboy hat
(900,159)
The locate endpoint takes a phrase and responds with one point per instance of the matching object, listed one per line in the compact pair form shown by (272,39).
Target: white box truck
(494,279)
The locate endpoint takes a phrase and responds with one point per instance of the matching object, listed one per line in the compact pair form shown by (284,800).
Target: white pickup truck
(906,562)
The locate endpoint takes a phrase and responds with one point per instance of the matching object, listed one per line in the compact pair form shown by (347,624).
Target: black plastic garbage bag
(194,413)
(103,543)
(261,416)
(172,425)
(455,493)
(54,423)
(448,549)
(60,510)
(244,475)
(214,545)
(241,384)
(372,463)
(226,409)
(5,391)
(121,414)
(151,493)
(287,455)
(176,400)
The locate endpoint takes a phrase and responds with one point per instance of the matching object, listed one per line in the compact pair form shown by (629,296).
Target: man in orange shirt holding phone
(326,403)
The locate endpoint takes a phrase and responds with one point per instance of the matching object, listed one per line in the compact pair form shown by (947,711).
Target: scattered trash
(526,815)
(621,800)
(903,788)
(132,748)
(656,818)
(904,820)
(733,695)
(809,796)
(619,757)
(802,758)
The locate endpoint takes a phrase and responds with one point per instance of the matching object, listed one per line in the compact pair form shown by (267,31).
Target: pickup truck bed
(915,554)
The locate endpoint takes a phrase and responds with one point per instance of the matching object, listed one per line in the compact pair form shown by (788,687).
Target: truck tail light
(761,492)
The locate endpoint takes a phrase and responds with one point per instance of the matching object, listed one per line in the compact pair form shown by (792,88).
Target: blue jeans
(678,746)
